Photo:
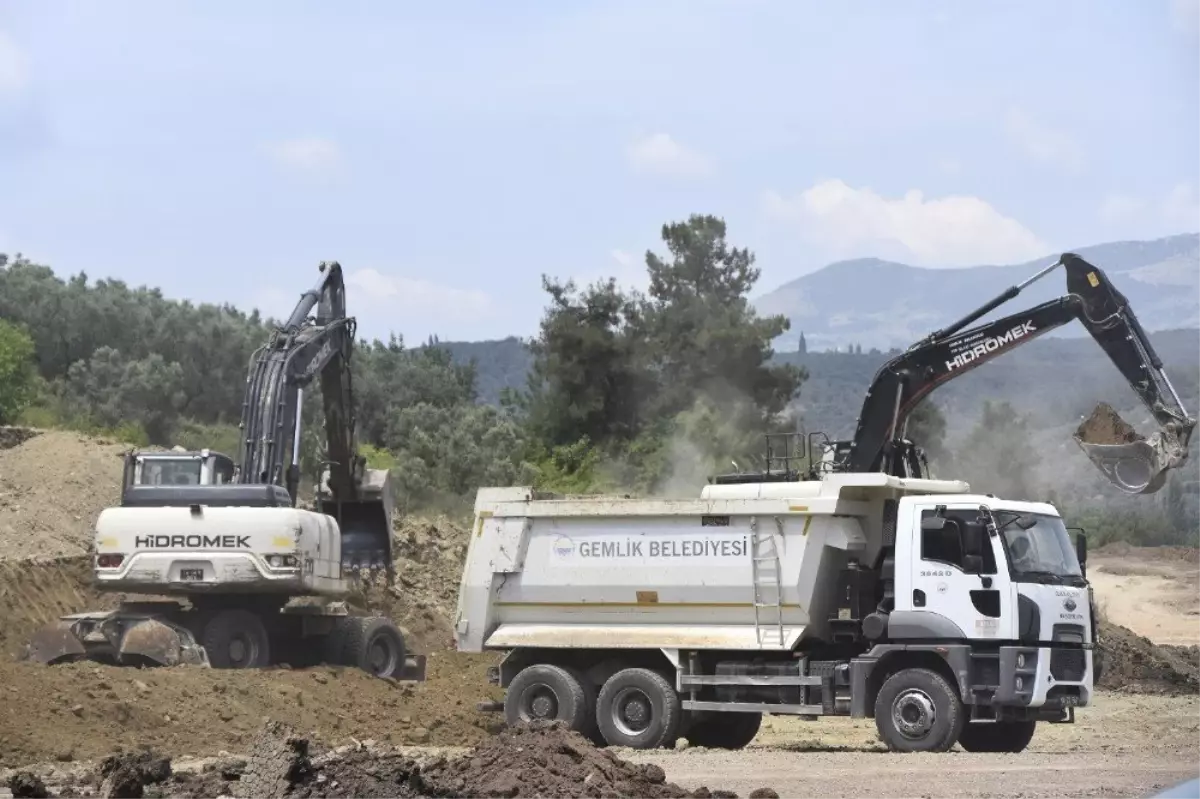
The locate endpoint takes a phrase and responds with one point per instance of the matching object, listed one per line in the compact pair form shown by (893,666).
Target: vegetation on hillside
(619,391)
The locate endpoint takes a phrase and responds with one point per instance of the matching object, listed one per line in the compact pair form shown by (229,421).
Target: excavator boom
(1135,465)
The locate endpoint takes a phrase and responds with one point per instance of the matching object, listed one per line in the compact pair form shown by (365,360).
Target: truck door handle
(918,598)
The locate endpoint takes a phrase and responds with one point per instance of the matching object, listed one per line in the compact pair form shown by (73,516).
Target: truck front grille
(1068,664)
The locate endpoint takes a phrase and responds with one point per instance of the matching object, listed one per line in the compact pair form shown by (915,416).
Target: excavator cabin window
(171,472)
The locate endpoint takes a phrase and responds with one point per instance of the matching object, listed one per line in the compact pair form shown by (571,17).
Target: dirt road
(1121,746)
(1155,594)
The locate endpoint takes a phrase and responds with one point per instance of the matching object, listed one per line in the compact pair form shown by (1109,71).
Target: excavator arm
(1134,465)
(305,348)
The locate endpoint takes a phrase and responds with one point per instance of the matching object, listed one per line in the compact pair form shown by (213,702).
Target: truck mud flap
(113,638)
(413,670)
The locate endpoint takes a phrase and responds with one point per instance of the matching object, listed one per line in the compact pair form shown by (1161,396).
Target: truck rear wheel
(375,645)
(638,708)
(997,736)
(918,710)
(725,730)
(236,639)
(547,693)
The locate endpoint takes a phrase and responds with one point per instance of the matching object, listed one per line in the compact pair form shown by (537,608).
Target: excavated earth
(544,760)
(1105,426)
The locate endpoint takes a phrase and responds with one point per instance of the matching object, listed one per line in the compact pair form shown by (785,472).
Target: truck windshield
(1041,553)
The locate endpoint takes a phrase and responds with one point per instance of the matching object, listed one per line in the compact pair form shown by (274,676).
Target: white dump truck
(860,587)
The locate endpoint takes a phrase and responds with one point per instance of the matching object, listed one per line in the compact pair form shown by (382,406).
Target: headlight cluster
(281,561)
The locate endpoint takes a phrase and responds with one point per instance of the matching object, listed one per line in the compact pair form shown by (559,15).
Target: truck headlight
(1020,683)
(281,561)
(1020,661)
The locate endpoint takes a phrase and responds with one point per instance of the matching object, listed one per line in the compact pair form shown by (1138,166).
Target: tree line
(649,392)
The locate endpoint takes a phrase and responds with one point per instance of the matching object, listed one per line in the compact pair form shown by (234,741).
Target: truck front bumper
(1046,677)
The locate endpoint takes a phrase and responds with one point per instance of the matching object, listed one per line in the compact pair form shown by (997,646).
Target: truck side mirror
(1081,548)
(972,540)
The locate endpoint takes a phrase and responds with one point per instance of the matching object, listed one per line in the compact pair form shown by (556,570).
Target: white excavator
(247,578)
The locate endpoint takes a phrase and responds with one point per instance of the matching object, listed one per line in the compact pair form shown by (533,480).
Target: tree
(998,456)
(927,428)
(588,379)
(112,390)
(17,371)
(705,336)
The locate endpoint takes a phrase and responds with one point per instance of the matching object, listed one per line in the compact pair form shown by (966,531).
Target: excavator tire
(236,639)
(375,645)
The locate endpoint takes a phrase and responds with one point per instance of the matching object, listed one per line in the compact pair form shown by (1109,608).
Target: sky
(450,154)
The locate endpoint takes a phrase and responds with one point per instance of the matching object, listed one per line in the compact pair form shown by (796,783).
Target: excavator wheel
(373,644)
(236,639)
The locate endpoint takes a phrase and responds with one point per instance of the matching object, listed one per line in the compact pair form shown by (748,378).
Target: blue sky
(449,154)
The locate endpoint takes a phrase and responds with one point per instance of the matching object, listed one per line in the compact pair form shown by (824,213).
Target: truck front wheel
(997,736)
(547,693)
(918,710)
(638,708)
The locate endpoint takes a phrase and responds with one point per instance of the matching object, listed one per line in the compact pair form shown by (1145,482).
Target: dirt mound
(53,485)
(1134,663)
(540,760)
(1105,426)
(86,711)
(1120,549)
(35,594)
(429,556)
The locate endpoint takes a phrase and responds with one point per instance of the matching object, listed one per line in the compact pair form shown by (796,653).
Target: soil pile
(36,594)
(538,760)
(1136,664)
(84,711)
(429,556)
(1105,426)
(53,484)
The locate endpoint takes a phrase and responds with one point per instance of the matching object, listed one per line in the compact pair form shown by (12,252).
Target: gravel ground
(1122,745)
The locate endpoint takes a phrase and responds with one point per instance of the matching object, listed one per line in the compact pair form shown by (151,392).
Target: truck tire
(997,736)
(725,730)
(590,730)
(373,644)
(638,708)
(333,645)
(236,639)
(918,710)
(549,693)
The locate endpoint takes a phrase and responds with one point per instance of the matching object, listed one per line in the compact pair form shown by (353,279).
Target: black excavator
(1134,465)
(230,540)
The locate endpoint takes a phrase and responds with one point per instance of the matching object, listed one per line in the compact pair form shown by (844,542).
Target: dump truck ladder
(768,590)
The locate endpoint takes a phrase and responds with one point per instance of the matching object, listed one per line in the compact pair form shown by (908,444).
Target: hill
(1057,380)
(884,304)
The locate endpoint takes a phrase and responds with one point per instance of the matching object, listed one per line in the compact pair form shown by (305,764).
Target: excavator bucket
(365,522)
(1134,464)
(116,637)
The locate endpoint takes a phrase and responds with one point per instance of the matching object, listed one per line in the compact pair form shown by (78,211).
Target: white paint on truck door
(979,605)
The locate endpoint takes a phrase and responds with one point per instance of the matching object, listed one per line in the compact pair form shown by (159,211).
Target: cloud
(414,295)
(661,155)
(309,156)
(14,66)
(1120,206)
(1043,144)
(949,231)
(1185,16)
(1181,208)
(1177,211)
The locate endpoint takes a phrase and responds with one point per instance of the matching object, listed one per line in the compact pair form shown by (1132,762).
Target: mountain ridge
(878,303)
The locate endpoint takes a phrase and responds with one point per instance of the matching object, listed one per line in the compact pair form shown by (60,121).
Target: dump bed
(744,567)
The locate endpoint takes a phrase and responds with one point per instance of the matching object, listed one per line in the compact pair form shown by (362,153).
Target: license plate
(191,574)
